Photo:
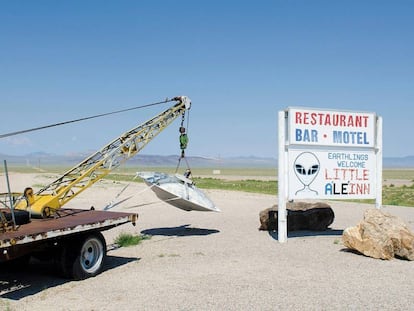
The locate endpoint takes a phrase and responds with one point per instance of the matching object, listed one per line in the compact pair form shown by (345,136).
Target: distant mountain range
(47,159)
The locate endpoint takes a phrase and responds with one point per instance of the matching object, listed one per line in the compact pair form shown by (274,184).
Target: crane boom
(46,201)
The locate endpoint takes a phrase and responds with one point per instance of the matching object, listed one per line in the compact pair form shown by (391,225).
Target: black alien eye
(300,169)
(313,169)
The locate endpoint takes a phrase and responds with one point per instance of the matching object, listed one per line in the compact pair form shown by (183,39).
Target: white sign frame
(349,146)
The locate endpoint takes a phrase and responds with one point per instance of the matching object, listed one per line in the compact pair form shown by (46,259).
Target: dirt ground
(216,261)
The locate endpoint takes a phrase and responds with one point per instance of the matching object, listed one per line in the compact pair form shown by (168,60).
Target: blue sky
(239,61)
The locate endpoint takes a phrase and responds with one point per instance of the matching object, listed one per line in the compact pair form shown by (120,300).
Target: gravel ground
(219,261)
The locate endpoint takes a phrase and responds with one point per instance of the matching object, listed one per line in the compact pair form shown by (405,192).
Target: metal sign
(331,174)
(331,128)
(328,154)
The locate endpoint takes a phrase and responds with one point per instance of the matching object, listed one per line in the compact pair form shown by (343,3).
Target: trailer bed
(65,223)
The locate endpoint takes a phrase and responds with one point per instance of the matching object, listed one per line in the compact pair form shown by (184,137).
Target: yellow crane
(49,199)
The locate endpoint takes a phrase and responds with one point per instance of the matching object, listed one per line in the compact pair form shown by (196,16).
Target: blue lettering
(328,188)
(315,136)
(337,137)
(346,137)
(298,135)
(306,135)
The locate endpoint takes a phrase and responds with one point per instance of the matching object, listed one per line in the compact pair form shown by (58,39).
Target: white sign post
(328,154)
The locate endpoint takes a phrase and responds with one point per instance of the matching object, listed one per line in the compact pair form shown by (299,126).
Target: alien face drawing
(306,167)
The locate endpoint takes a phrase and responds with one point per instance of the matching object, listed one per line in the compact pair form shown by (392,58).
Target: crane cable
(83,119)
(183,144)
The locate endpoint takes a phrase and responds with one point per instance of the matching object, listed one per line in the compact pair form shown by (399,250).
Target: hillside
(46,159)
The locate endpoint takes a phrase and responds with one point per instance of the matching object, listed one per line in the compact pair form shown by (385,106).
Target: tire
(84,257)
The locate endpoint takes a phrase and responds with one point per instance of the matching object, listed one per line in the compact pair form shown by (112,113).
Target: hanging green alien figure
(183,140)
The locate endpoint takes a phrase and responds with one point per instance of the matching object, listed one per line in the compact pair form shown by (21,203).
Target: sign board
(328,154)
(313,127)
(331,174)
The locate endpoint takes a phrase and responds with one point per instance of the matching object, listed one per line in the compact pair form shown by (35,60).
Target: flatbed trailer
(72,238)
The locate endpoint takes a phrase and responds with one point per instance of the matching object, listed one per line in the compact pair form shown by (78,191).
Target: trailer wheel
(84,257)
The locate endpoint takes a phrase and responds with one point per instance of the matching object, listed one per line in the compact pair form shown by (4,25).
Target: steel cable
(83,119)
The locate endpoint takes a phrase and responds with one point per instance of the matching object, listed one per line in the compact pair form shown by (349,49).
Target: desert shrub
(126,239)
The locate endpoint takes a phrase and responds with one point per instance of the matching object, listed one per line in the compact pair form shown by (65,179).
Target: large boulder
(300,216)
(380,235)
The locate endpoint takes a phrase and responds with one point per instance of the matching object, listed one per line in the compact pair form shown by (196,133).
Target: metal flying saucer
(178,191)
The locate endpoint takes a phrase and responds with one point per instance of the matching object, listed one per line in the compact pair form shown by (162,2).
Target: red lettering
(365,121)
(331,119)
(335,120)
(350,121)
(358,121)
(313,118)
(327,120)
(298,117)
(342,121)
(306,118)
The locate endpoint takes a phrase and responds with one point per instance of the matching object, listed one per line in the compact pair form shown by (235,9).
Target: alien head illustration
(307,167)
